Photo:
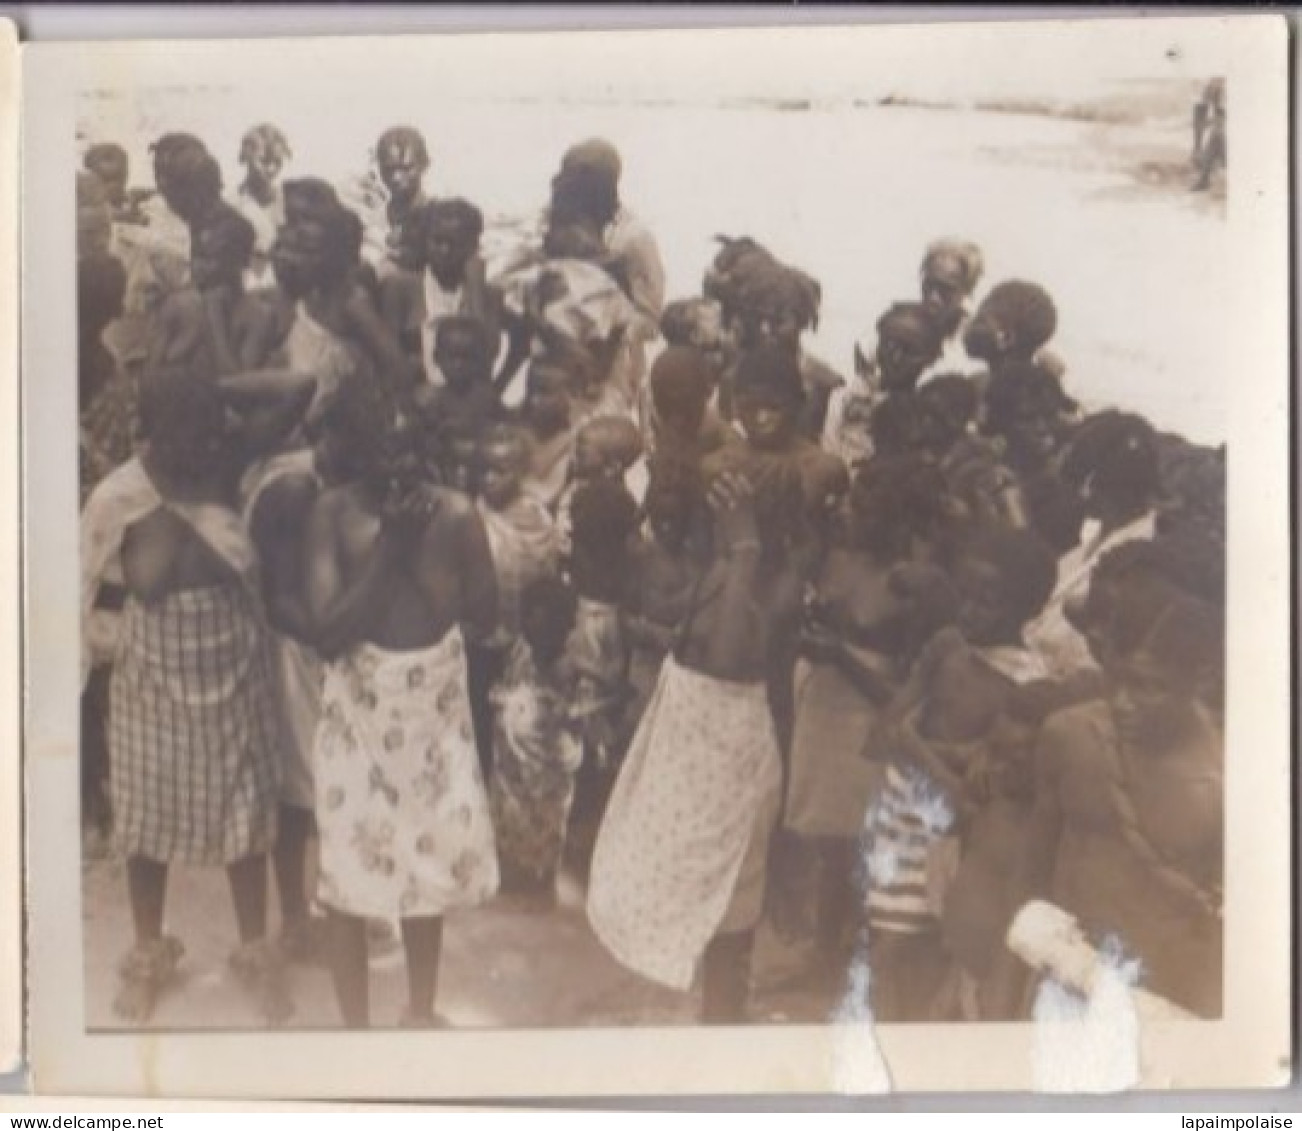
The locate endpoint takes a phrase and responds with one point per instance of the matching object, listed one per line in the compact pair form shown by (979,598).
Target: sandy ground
(502,967)
(1101,213)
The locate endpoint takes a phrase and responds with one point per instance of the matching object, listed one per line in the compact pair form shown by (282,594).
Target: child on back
(537,748)
(683,384)
(605,450)
(958,733)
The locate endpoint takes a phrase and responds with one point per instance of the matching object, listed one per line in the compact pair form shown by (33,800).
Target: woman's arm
(735,626)
(478,576)
(369,330)
(871,684)
(269,404)
(340,611)
(278,527)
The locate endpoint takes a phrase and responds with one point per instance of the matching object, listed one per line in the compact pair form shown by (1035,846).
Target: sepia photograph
(572,536)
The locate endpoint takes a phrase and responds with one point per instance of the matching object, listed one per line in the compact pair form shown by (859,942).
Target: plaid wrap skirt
(193,730)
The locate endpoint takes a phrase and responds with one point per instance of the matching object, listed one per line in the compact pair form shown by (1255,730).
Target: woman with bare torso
(678,874)
(397,571)
(193,728)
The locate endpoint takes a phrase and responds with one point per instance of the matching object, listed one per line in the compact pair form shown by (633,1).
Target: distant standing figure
(264,151)
(1209,154)
(402,159)
(950,272)
(627,237)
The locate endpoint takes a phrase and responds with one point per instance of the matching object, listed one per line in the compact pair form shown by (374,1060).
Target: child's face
(989,340)
(448,246)
(769,421)
(940,424)
(983,614)
(401,171)
(1032,431)
(547,398)
(212,261)
(264,165)
(112,174)
(460,358)
(902,357)
(300,256)
(944,286)
(502,468)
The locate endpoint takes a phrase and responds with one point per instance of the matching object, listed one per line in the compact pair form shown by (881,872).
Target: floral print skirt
(400,801)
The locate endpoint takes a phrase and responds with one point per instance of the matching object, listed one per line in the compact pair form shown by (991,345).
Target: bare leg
(248,881)
(423,940)
(147,888)
(348,968)
(290,861)
(150,964)
(726,977)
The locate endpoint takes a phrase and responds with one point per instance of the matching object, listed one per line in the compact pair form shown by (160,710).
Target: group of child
(486,573)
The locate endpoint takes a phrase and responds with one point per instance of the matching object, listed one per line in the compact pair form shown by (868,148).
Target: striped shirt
(907,823)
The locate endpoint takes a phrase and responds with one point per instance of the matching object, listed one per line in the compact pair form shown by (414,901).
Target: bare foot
(146,971)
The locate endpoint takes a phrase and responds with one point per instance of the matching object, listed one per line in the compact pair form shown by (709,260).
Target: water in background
(850,193)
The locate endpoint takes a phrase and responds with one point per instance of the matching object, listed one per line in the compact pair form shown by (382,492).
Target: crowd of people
(415,580)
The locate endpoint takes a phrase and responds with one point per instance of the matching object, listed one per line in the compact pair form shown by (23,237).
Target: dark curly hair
(1023,309)
(1116,453)
(465,215)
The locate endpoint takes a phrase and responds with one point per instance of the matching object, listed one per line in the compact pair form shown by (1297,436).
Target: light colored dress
(401,805)
(312,348)
(694,798)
